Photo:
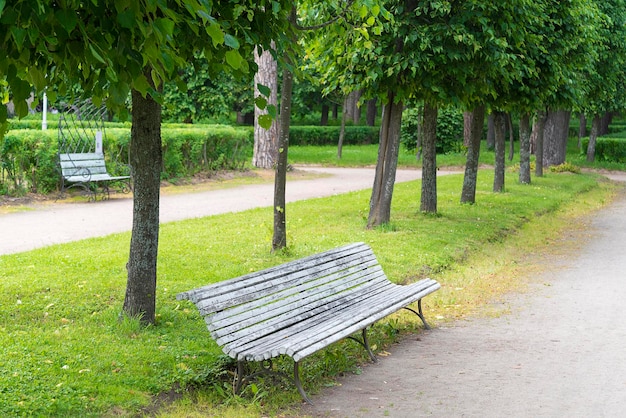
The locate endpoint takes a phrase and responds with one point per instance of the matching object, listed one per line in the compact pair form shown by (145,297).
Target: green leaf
(18,35)
(363,11)
(264,90)
(215,32)
(265,121)
(126,19)
(234,59)
(141,85)
(231,41)
(2,4)
(96,55)
(260,102)
(67,18)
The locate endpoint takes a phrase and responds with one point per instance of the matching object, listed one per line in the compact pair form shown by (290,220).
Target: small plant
(565,167)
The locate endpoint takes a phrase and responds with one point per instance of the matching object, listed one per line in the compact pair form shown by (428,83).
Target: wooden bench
(301,307)
(88,169)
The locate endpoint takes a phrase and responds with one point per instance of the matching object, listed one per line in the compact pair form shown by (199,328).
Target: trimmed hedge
(28,156)
(608,148)
(329,135)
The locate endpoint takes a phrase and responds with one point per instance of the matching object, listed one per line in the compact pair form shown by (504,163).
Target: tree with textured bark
(113,49)
(265,151)
(337,11)
(499,124)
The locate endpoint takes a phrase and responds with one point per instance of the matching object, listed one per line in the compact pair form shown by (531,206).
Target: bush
(608,148)
(28,157)
(449,129)
(329,135)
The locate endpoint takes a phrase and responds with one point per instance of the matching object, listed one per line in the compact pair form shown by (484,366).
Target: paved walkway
(560,353)
(57,223)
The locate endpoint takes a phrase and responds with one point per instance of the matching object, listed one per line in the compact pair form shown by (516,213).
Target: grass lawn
(64,351)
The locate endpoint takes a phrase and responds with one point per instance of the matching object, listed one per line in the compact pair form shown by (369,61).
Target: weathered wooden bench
(298,308)
(87,171)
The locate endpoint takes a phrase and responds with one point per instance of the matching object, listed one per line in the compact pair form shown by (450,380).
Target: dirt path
(559,353)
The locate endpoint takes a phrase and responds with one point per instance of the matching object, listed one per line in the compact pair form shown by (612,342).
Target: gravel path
(559,353)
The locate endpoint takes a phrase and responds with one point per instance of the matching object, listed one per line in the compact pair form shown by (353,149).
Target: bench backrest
(77,164)
(279,296)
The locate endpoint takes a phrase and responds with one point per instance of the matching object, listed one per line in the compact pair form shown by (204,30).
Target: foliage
(605,83)
(65,353)
(326,135)
(112,47)
(207,95)
(449,129)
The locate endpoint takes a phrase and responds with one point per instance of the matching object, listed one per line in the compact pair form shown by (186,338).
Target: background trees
(114,48)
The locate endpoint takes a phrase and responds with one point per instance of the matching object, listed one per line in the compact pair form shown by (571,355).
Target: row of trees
(537,58)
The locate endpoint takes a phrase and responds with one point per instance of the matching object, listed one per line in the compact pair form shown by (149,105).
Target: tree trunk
(385,177)
(279,239)
(509,124)
(582,129)
(145,160)
(324,118)
(468,195)
(605,122)
(467,129)
(596,125)
(265,140)
(499,125)
(342,130)
(524,148)
(540,124)
(352,106)
(372,111)
(429,163)
(555,133)
(491,131)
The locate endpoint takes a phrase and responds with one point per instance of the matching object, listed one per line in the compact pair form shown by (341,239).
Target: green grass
(366,155)
(64,350)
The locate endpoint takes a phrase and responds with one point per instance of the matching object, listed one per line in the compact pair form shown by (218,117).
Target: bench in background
(88,171)
(303,306)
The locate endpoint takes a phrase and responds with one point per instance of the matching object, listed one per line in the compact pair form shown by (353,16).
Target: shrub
(564,168)
(608,148)
(449,129)
(28,157)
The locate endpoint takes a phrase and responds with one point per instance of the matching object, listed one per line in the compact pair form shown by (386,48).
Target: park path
(49,224)
(560,352)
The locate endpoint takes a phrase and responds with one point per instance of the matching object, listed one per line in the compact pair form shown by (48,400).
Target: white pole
(44,120)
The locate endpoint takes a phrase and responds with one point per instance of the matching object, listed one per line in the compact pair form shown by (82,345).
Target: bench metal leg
(296,379)
(365,343)
(419,313)
(242,378)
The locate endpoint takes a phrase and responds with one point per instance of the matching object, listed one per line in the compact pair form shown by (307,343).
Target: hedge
(609,148)
(329,135)
(28,156)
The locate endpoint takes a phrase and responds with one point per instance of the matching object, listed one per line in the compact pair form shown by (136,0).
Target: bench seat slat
(340,317)
(291,315)
(291,299)
(227,286)
(335,310)
(264,285)
(271,290)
